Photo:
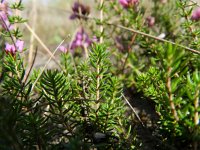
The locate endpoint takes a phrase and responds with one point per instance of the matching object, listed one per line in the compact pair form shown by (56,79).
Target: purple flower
(81,40)
(10,48)
(80,11)
(128,3)
(196,14)
(150,21)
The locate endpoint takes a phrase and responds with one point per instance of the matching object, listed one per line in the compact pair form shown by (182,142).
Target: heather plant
(79,106)
(172,83)
(82,103)
(162,72)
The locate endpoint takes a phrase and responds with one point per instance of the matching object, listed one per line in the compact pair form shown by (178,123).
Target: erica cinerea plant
(121,49)
(167,83)
(77,107)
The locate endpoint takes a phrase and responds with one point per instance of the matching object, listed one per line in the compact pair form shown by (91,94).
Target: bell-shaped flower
(128,3)
(81,40)
(196,14)
(80,11)
(13,48)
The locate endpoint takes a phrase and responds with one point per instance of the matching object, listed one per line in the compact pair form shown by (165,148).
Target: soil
(147,131)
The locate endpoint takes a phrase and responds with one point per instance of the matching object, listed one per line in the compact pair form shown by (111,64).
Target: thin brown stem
(196,106)
(34,14)
(31,66)
(155,38)
(42,44)
(196,115)
(97,87)
(8,30)
(145,34)
(129,49)
(170,95)
(101,20)
(137,116)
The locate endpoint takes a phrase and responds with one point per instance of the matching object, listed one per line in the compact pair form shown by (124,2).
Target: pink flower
(196,14)
(10,48)
(150,20)
(63,49)
(128,3)
(124,3)
(4,13)
(20,45)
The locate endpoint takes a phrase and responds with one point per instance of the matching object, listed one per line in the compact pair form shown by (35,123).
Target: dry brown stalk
(170,95)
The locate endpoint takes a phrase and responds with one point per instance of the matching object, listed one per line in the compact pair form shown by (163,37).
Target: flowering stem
(7,29)
(185,14)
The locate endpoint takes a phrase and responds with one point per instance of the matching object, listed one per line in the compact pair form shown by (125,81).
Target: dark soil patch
(148,132)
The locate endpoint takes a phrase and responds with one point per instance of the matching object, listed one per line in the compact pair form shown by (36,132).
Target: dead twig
(137,116)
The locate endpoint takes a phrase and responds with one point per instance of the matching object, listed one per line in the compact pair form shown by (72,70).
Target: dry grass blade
(34,14)
(137,116)
(48,62)
(31,66)
(40,41)
(156,38)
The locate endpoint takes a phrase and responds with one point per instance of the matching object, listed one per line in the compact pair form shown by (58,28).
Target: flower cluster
(196,14)
(80,11)
(150,21)
(128,3)
(81,40)
(4,13)
(13,48)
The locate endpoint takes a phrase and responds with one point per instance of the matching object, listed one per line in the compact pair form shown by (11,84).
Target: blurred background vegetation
(50,21)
